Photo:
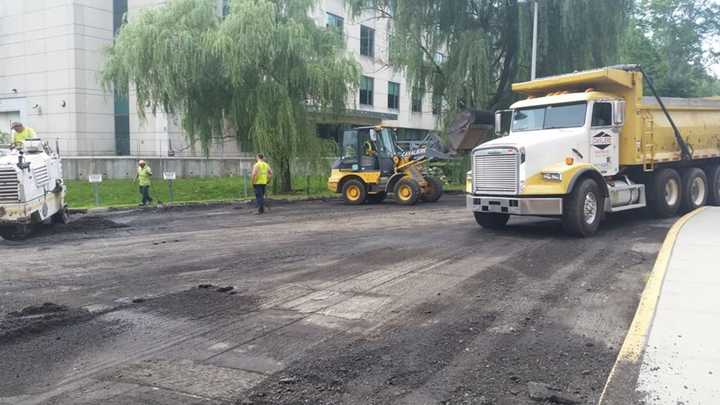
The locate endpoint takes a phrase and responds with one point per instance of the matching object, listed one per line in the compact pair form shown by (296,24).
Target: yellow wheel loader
(373,165)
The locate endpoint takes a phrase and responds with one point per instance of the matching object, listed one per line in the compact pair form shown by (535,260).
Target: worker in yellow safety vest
(261,175)
(21,133)
(144,173)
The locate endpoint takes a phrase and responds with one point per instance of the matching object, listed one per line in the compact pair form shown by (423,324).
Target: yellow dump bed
(646,137)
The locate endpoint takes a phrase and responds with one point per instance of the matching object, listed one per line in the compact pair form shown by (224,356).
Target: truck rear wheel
(713,175)
(491,221)
(666,189)
(407,191)
(694,189)
(434,190)
(583,209)
(354,192)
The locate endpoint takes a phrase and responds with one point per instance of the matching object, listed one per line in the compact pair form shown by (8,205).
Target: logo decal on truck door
(602,140)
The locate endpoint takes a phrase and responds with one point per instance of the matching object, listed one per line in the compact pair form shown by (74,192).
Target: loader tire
(713,176)
(354,192)
(491,221)
(407,191)
(583,209)
(694,189)
(666,193)
(433,191)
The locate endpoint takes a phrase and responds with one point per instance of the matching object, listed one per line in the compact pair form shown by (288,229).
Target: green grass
(120,193)
(124,193)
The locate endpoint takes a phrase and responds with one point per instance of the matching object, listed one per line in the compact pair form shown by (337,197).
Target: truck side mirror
(619,113)
(503,118)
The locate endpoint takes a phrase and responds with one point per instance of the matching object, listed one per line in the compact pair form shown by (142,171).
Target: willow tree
(487,43)
(266,69)
(671,38)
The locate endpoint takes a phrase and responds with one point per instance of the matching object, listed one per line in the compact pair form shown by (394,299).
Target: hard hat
(141,162)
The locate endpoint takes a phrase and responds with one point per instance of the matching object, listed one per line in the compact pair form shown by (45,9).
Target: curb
(95,210)
(625,369)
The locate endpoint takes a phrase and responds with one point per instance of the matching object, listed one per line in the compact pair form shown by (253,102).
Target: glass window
(334,22)
(367,41)
(393,95)
(367,85)
(417,99)
(528,119)
(602,115)
(349,146)
(225,8)
(120,8)
(436,104)
(550,116)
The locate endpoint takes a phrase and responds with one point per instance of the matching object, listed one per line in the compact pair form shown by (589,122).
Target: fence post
(97,194)
(245,183)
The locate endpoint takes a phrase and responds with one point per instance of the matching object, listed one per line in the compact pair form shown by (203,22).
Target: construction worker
(21,133)
(144,173)
(261,175)
(368,149)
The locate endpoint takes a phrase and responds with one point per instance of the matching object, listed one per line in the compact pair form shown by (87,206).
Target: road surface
(329,304)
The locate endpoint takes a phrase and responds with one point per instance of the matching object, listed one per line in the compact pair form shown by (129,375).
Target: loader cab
(368,149)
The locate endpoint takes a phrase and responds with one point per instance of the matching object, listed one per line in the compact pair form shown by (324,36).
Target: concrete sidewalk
(671,354)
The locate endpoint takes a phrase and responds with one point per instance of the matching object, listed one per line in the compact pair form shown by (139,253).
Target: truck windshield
(549,116)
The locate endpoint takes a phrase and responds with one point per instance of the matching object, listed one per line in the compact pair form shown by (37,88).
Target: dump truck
(587,144)
(32,190)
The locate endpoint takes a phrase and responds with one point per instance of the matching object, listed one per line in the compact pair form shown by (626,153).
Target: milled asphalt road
(330,304)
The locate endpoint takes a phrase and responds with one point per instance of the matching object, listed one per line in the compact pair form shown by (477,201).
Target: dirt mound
(39,318)
(84,224)
(46,308)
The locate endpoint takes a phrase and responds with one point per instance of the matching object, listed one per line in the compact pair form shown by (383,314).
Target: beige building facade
(52,52)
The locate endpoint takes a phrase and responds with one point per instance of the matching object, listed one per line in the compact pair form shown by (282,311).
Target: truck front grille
(8,185)
(41,176)
(495,171)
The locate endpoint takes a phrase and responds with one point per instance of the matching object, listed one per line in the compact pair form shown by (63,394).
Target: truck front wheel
(491,221)
(583,209)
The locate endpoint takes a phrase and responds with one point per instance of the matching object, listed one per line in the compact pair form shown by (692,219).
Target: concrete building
(52,51)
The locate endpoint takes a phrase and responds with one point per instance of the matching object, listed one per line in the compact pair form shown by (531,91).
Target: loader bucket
(469,129)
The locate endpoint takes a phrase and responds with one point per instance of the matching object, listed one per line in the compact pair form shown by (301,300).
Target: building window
(121,108)
(393,95)
(436,104)
(367,41)
(366,90)
(334,22)
(417,100)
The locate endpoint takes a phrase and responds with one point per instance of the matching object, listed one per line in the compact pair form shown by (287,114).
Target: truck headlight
(468,182)
(552,176)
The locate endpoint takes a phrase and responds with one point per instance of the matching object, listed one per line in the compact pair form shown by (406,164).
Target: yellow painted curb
(634,343)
